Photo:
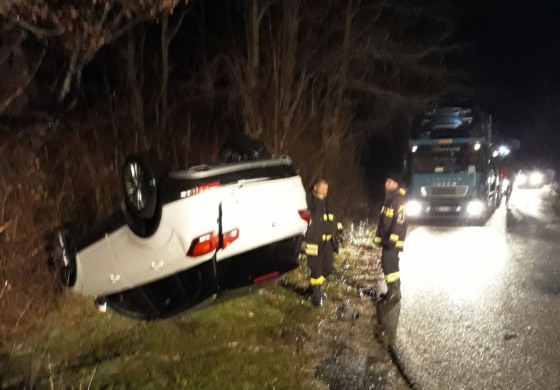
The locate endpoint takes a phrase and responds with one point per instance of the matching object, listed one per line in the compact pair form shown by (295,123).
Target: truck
(450,165)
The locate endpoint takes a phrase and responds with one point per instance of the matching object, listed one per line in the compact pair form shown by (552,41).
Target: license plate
(444,209)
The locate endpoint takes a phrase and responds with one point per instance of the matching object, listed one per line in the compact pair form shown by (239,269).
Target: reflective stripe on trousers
(392,277)
(317,281)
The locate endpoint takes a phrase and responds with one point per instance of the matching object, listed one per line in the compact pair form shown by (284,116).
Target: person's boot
(393,291)
(317,296)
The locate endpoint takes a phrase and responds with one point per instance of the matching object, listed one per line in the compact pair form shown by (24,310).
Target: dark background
(506,59)
(516,63)
(509,63)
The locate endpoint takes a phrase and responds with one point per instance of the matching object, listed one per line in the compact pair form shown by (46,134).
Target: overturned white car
(184,237)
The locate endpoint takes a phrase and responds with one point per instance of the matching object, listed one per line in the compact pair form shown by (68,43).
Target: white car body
(260,210)
(256,209)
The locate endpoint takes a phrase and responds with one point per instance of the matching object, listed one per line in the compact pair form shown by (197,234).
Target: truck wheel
(242,148)
(481,221)
(62,250)
(500,197)
(140,177)
(495,199)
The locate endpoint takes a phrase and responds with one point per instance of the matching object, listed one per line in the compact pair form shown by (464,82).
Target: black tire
(242,148)
(140,177)
(62,254)
(508,193)
(500,196)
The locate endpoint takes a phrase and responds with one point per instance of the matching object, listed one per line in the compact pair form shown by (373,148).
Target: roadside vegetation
(88,83)
(273,338)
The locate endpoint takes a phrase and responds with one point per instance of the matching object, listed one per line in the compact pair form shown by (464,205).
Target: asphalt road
(481,305)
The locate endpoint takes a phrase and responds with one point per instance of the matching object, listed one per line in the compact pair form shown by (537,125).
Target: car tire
(242,148)
(62,251)
(140,177)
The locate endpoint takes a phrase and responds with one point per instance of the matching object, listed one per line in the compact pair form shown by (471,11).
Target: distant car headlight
(413,208)
(521,179)
(536,179)
(506,183)
(475,207)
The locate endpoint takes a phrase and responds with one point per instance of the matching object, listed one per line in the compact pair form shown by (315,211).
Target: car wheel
(62,255)
(242,148)
(140,178)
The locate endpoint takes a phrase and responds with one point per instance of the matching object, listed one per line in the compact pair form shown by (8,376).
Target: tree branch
(39,31)
(6,53)
(6,103)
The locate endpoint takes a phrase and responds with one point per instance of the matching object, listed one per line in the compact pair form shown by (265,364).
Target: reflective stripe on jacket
(323,224)
(391,227)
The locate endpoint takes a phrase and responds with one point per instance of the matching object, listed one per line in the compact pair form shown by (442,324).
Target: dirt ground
(355,333)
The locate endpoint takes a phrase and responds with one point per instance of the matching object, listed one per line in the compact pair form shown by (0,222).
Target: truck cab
(452,174)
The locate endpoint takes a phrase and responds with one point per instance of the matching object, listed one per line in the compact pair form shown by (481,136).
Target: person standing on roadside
(506,179)
(320,239)
(390,234)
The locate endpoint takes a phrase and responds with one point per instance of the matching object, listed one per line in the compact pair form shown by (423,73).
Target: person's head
(320,188)
(393,181)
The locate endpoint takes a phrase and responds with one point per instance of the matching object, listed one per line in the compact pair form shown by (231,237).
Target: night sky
(516,68)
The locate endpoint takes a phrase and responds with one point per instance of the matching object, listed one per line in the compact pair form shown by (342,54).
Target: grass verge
(271,339)
(256,339)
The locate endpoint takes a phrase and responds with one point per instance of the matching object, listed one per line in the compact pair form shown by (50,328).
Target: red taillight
(209,242)
(199,189)
(229,237)
(264,278)
(305,215)
(204,244)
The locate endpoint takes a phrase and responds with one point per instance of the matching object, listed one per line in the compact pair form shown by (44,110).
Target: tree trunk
(164,76)
(135,88)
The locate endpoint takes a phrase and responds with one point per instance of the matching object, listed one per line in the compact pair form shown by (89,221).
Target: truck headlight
(413,208)
(475,207)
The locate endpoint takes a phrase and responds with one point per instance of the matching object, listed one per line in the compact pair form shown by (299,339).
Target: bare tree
(303,58)
(167,35)
(135,82)
(79,29)
(17,65)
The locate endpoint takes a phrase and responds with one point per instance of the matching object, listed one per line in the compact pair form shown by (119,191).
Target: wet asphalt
(481,304)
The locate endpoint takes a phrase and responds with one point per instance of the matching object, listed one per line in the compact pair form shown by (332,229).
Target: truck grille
(456,191)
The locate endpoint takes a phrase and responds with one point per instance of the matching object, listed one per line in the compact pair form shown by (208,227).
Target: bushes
(45,181)
(72,175)
(29,210)
(282,72)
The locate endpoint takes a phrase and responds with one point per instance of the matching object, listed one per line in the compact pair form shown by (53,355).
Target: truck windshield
(445,159)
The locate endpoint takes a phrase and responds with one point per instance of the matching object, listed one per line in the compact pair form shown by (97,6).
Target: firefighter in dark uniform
(320,240)
(506,178)
(390,234)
